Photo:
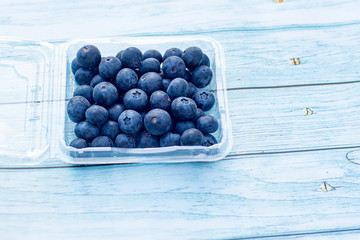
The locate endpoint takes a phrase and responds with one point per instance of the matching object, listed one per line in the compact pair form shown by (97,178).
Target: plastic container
(37,83)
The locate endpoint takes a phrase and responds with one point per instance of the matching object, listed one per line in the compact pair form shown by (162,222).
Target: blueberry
(77,107)
(130,121)
(183,108)
(192,57)
(79,143)
(131,58)
(125,141)
(207,124)
(172,52)
(157,121)
(201,76)
(88,56)
(152,54)
(84,91)
(191,137)
(146,140)
(102,141)
(160,99)
(110,129)
(173,67)
(178,87)
(204,99)
(149,65)
(150,82)
(84,76)
(170,139)
(208,140)
(199,113)
(191,90)
(182,126)
(161,73)
(115,111)
(136,99)
(97,115)
(74,65)
(109,67)
(105,94)
(119,54)
(166,83)
(86,130)
(205,60)
(97,79)
(187,75)
(126,79)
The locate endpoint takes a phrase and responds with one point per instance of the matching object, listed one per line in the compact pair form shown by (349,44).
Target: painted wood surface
(294,127)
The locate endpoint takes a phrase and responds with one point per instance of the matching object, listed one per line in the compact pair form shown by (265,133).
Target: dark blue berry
(74,65)
(110,129)
(146,140)
(86,130)
(157,121)
(126,79)
(125,141)
(152,54)
(207,124)
(84,91)
(199,113)
(191,137)
(166,83)
(84,76)
(204,99)
(131,58)
(97,115)
(102,141)
(170,139)
(208,140)
(77,107)
(205,60)
(150,82)
(115,111)
(97,79)
(105,94)
(173,67)
(109,67)
(130,121)
(178,87)
(183,108)
(79,143)
(160,99)
(149,65)
(182,126)
(187,75)
(192,57)
(201,76)
(172,52)
(119,54)
(88,56)
(136,99)
(191,90)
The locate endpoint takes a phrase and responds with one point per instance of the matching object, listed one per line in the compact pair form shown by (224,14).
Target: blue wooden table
(293,172)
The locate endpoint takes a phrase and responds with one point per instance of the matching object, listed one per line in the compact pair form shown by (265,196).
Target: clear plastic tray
(33,103)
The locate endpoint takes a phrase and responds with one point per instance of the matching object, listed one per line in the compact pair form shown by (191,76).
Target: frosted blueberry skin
(192,57)
(130,121)
(110,129)
(191,137)
(199,113)
(97,115)
(152,53)
(182,126)
(105,94)
(187,75)
(84,76)
(102,141)
(86,130)
(88,56)
(178,87)
(201,76)
(109,67)
(170,139)
(131,58)
(166,83)
(149,65)
(115,111)
(97,79)
(150,82)
(191,90)
(173,67)
(84,91)
(77,107)
(205,60)
(157,121)
(79,143)
(136,99)
(125,141)
(207,124)
(208,140)
(119,54)
(126,79)
(147,140)
(160,99)
(204,100)
(172,52)
(74,65)
(183,108)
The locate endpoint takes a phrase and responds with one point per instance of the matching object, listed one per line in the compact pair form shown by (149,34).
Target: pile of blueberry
(137,100)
